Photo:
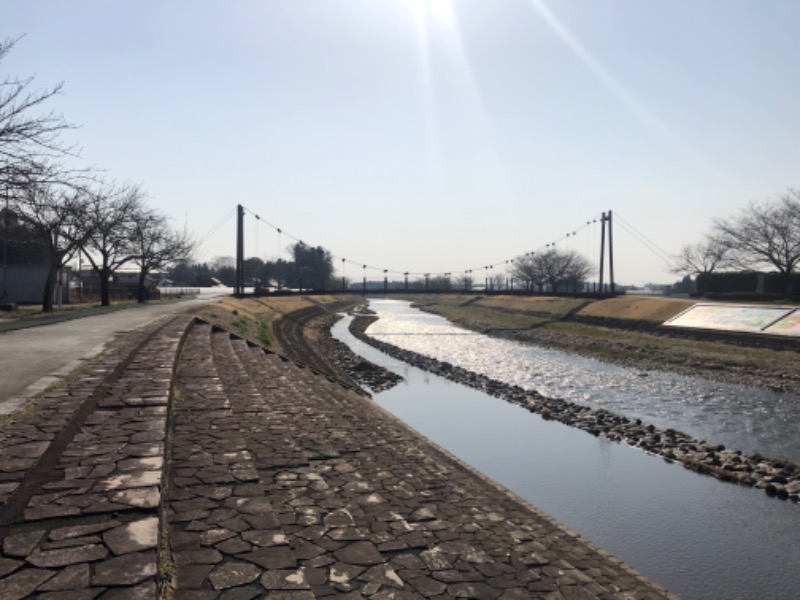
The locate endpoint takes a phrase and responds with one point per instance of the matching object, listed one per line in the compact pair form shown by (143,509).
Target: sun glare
(439,8)
(441,46)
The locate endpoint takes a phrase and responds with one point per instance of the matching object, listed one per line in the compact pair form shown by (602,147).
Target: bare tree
(465,282)
(703,257)
(111,216)
(765,233)
(524,270)
(57,215)
(496,281)
(555,265)
(553,269)
(154,246)
(29,142)
(577,272)
(440,283)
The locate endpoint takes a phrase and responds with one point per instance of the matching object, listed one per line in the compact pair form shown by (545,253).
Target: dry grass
(626,307)
(34,311)
(637,308)
(535,309)
(253,318)
(534,304)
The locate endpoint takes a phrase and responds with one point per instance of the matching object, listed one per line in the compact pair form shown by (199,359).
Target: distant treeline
(310,268)
(748,283)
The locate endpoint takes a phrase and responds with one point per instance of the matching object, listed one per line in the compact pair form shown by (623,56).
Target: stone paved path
(247,476)
(80,478)
(284,484)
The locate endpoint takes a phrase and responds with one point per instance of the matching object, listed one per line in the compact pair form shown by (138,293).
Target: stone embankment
(777,478)
(187,463)
(81,477)
(285,484)
(365,373)
(292,332)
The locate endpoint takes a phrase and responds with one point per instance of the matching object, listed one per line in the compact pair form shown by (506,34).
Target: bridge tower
(606,218)
(238,286)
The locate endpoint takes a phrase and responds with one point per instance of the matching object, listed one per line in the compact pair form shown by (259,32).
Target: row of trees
(553,270)
(61,211)
(310,267)
(763,235)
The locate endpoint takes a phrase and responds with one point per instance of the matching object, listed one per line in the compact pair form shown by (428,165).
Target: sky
(428,135)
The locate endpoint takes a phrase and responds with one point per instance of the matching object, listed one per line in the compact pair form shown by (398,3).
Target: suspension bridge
(457,279)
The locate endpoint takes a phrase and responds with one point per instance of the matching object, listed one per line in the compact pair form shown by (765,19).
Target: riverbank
(310,320)
(777,477)
(622,331)
(299,327)
(233,472)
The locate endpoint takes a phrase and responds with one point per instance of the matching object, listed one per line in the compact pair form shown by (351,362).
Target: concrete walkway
(275,482)
(40,352)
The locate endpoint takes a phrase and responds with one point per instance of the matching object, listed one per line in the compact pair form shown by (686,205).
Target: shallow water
(699,537)
(743,418)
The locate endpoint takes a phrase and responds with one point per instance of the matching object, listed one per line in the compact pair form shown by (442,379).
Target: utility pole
(610,254)
(385,282)
(238,288)
(602,248)
(5,251)
(80,276)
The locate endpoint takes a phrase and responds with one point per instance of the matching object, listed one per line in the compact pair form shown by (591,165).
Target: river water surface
(743,418)
(699,537)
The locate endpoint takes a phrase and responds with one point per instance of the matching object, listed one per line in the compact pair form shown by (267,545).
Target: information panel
(751,319)
(789,325)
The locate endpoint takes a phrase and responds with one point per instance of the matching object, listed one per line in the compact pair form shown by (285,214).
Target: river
(699,537)
(743,418)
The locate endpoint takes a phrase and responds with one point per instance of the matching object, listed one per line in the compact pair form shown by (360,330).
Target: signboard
(789,325)
(773,320)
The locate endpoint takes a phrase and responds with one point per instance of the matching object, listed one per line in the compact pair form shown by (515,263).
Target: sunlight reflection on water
(702,538)
(740,417)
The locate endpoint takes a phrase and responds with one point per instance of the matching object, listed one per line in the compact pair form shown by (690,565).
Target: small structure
(24,284)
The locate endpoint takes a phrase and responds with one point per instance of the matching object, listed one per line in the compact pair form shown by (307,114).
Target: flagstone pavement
(187,463)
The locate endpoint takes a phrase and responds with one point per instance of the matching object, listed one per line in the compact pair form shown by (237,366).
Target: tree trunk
(49,288)
(105,287)
(142,293)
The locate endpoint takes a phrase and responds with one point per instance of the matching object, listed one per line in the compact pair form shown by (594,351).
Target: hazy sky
(430,135)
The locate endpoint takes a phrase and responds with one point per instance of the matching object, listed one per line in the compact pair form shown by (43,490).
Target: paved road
(34,358)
